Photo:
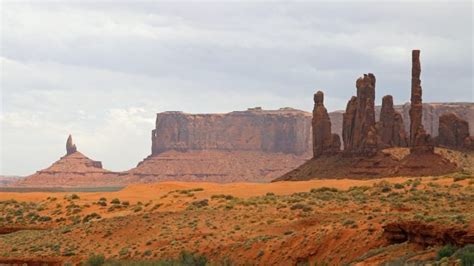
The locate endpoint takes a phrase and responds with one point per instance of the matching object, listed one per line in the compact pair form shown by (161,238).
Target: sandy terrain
(280,223)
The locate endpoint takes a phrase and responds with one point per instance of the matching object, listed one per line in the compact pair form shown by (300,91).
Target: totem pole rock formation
(453,131)
(324,143)
(70,146)
(420,141)
(390,128)
(358,124)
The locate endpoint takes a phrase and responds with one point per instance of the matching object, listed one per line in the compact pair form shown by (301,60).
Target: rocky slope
(6,180)
(73,169)
(213,166)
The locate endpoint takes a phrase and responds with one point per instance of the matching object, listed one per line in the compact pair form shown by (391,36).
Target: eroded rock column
(70,146)
(390,128)
(324,143)
(358,129)
(420,141)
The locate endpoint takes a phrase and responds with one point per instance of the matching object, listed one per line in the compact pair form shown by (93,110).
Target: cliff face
(286,130)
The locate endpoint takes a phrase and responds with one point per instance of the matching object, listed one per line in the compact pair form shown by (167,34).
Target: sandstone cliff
(286,130)
(183,132)
(453,132)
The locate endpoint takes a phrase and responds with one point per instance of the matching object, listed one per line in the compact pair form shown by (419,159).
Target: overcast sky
(102,70)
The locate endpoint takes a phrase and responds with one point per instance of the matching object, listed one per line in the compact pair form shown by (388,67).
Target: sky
(101,70)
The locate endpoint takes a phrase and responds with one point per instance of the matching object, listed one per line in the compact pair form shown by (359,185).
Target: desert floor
(282,223)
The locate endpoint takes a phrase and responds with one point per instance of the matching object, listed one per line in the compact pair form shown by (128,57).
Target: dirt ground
(282,223)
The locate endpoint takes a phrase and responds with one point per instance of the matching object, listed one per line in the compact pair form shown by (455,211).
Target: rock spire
(420,141)
(324,143)
(70,146)
(390,128)
(358,125)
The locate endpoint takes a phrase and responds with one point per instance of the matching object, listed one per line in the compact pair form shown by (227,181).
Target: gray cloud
(101,71)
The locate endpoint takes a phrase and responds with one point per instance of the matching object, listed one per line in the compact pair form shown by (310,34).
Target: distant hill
(6,180)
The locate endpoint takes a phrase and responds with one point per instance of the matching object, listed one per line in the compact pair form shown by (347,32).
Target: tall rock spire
(390,128)
(70,146)
(358,125)
(324,143)
(416,107)
(420,141)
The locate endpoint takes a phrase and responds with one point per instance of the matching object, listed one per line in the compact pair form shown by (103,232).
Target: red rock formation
(453,131)
(213,166)
(390,128)
(324,143)
(70,146)
(358,126)
(286,130)
(430,121)
(420,141)
(73,169)
(428,234)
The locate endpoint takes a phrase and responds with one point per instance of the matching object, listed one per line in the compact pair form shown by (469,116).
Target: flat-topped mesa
(453,132)
(420,141)
(390,127)
(285,130)
(70,146)
(324,143)
(358,124)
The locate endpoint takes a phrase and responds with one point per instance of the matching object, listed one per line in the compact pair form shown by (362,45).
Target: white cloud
(101,71)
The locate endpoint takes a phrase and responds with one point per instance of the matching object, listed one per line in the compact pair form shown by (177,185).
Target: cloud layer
(102,70)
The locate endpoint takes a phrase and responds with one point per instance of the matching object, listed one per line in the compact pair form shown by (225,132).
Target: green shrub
(115,201)
(184,259)
(398,186)
(44,219)
(466,255)
(96,260)
(300,206)
(446,251)
(191,259)
(90,217)
(123,252)
(348,222)
(323,189)
(461,176)
(200,203)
